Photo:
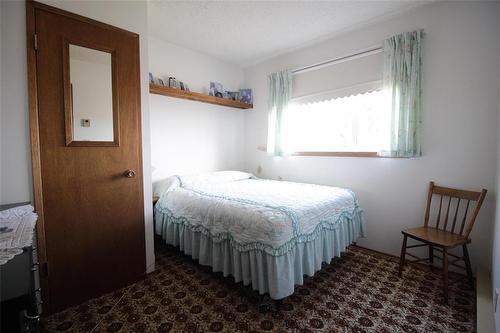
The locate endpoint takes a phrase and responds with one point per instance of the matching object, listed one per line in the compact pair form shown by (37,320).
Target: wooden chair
(442,237)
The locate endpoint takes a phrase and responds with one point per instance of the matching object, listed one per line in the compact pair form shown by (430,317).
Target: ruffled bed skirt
(276,275)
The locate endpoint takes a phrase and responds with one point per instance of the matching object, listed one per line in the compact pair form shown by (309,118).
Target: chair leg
(402,257)
(445,275)
(468,265)
(431,257)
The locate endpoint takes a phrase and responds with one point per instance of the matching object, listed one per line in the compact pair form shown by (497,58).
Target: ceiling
(247,32)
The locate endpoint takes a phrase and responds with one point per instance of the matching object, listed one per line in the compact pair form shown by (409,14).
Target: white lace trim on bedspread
(16,231)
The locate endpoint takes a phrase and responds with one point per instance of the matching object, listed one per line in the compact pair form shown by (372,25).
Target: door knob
(129,173)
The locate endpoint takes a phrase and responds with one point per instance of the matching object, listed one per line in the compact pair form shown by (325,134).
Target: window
(341,108)
(355,123)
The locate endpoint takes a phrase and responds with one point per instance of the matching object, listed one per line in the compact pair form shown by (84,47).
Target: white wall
(460,122)
(2,28)
(189,136)
(16,164)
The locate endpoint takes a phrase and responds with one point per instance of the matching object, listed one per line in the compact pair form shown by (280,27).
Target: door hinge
(45,269)
(35,42)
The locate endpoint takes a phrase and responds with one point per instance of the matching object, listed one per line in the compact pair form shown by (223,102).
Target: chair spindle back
(451,199)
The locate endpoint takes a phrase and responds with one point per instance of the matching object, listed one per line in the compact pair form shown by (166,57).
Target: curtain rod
(350,56)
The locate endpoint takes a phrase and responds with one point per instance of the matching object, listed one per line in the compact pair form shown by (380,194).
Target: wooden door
(89,194)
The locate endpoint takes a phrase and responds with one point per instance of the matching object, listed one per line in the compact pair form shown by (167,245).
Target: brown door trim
(31,7)
(35,144)
(37,5)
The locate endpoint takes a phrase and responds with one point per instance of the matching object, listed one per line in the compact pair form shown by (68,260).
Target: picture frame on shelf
(246,96)
(216,89)
(234,95)
(171,82)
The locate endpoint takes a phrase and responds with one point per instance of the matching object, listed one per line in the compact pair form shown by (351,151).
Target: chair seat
(436,236)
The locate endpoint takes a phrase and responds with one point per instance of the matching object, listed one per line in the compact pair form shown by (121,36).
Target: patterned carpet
(359,292)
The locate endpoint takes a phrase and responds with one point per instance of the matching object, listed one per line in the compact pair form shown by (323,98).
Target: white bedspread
(254,213)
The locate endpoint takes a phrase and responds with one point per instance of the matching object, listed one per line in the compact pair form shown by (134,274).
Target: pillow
(162,186)
(213,178)
(228,176)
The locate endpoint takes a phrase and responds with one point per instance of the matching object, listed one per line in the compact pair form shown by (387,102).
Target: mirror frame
(68,96)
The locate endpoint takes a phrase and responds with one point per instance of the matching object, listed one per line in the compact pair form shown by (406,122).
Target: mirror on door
(90,110)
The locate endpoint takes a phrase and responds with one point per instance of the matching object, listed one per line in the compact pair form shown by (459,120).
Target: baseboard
(150,268)
(484,303)
(451,272)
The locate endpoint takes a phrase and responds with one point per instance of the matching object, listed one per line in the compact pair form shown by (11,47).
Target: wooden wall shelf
(194,96)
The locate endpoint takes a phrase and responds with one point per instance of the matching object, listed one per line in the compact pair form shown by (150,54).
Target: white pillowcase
(162,186)
(225,176)
(166,184)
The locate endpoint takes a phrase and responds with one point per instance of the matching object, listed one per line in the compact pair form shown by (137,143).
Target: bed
(265,233)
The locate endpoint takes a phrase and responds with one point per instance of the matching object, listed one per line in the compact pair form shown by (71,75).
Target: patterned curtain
(402,71)
(280,92)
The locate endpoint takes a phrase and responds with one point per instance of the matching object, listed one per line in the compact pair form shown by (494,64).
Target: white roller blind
(339,80)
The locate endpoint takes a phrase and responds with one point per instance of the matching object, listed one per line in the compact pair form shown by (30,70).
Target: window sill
(332,153)
(337,153)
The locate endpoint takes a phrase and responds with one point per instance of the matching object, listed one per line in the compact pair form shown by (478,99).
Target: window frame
(329,153)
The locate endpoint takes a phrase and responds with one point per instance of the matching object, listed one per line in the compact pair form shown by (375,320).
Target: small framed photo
(246,96)
(216,89)
(234,95)
(171,82)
